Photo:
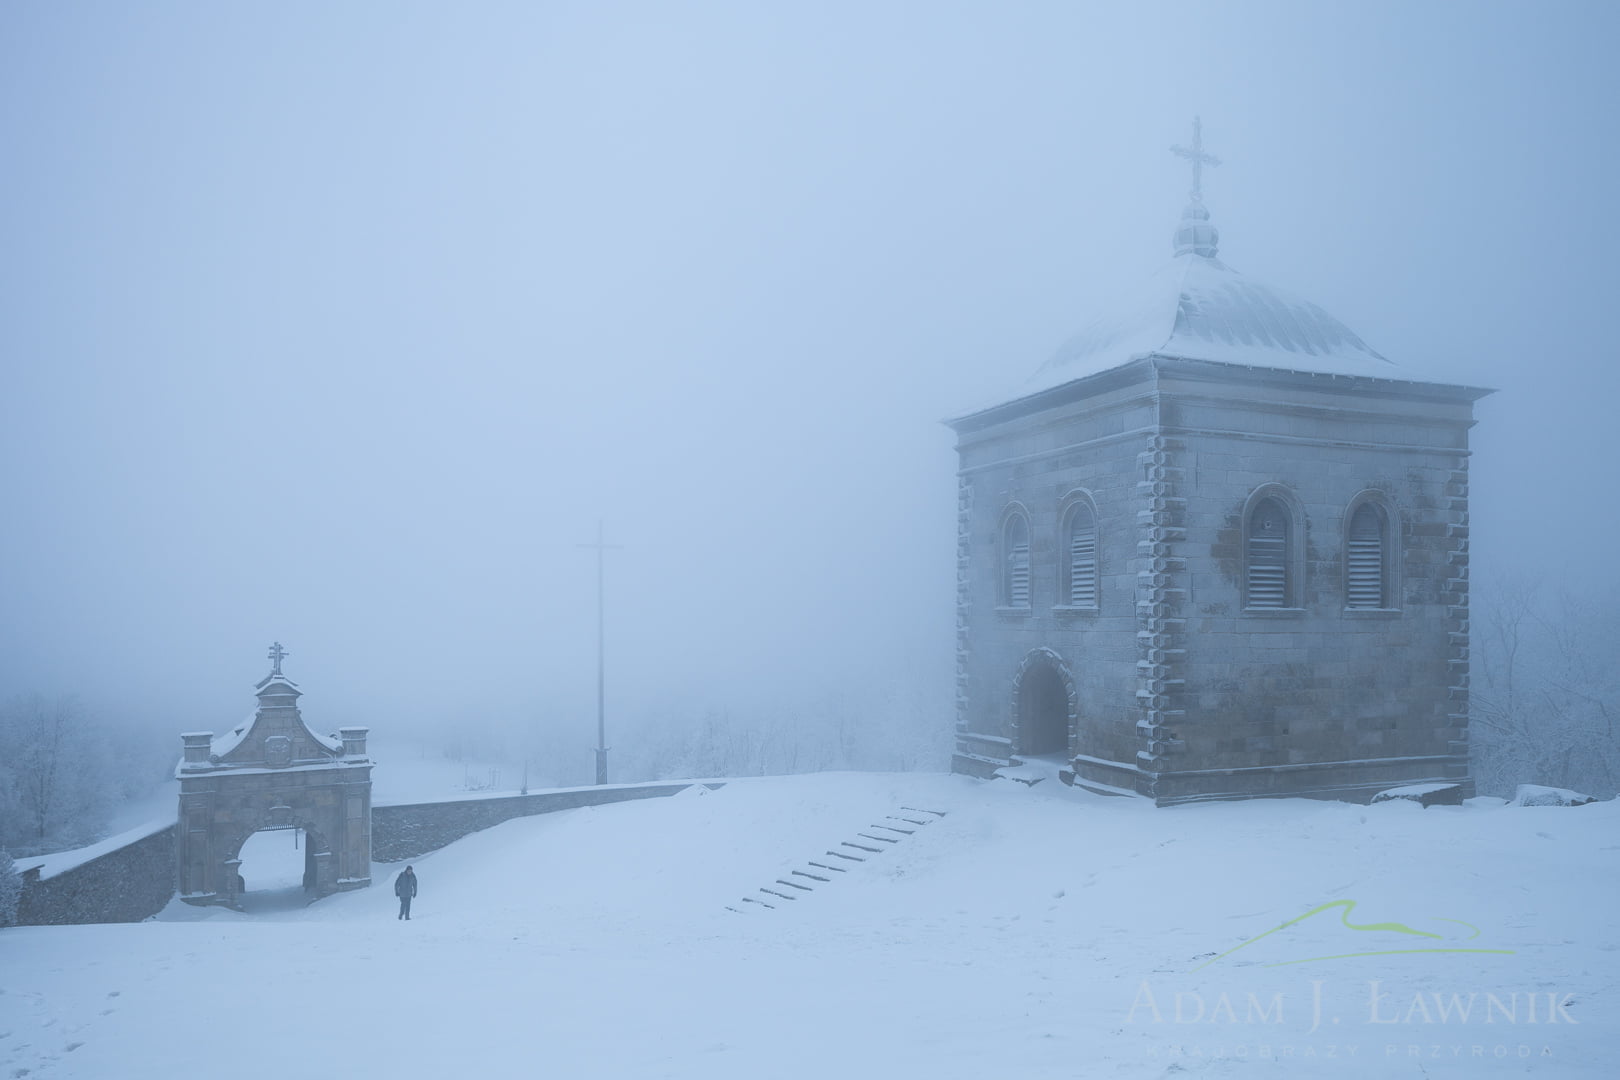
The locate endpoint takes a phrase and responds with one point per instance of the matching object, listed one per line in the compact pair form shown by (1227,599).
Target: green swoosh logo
(1344,917)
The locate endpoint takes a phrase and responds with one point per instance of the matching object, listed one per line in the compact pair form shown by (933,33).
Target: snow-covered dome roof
(1198,308)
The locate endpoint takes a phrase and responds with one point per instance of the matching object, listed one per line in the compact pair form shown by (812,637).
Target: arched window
(1266,550)
(1015,562)
(1080,532)
(1365,545)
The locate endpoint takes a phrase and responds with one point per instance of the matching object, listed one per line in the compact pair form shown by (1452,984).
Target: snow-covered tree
(1545,692)
(10,889)
(55,788)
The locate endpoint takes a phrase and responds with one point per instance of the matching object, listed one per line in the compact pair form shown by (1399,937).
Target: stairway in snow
(824,869)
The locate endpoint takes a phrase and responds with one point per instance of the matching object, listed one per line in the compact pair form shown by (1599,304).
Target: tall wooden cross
(276,654)
(1198,158)
(601,669)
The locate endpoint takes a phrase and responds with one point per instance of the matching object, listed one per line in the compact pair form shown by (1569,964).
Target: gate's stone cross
(276,653)
(1198,158)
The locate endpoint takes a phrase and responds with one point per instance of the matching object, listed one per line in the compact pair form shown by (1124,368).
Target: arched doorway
(277,869)
(1043,707)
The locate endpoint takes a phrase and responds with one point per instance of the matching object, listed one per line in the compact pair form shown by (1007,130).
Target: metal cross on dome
(276,653)
(1198,158)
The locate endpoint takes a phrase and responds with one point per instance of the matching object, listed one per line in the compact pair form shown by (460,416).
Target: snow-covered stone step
(924,810)
(824,866)
(780,895)
(859,847)
(879,839)
(812,877)
(795,885)
(1425,795)
(841,855)
(1024,774)
(893,828)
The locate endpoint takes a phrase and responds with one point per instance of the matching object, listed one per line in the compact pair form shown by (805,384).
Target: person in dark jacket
(405,889)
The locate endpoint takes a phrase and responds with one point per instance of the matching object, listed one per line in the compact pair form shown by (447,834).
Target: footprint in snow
(72,1046)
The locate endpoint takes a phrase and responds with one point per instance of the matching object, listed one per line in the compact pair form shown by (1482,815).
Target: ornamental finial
(276,654)
(1195,235)
(1198,158)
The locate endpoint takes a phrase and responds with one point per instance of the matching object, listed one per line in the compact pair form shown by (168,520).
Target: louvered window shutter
(1083,558)
(1365,560)
(1268,556)
(1017,563)
(1019,591)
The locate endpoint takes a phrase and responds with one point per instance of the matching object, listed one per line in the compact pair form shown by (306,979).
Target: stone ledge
(406,831)
(1424,795)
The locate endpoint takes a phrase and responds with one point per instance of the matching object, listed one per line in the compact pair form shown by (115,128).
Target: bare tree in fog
(53,774)
(1545,691)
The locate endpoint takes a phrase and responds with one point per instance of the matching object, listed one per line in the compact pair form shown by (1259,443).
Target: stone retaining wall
(407,831)
(127,884)
(136,881)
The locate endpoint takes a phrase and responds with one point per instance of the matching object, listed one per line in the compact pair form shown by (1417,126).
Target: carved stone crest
(278,751)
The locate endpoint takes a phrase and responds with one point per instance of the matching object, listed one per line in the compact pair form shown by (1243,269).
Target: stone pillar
(325,873)
(198,745)
(354,741)
(233,883)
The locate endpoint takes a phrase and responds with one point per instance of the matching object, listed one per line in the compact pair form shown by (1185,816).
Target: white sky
(342,324)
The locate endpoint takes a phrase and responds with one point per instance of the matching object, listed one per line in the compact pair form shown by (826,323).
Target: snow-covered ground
(1029,932)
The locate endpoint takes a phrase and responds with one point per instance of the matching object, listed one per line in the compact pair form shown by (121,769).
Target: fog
(344,325)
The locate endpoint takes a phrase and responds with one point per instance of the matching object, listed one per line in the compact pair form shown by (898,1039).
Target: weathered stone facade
(1176,687)
(273,772)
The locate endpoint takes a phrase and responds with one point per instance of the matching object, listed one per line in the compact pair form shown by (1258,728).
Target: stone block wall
(1317,699)
(408,831)
(127,884)
(1037,465)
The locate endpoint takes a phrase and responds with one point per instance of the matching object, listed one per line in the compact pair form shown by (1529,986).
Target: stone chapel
(1218,550)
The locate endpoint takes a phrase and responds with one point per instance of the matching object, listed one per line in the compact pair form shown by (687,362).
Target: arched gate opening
(1044,707)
